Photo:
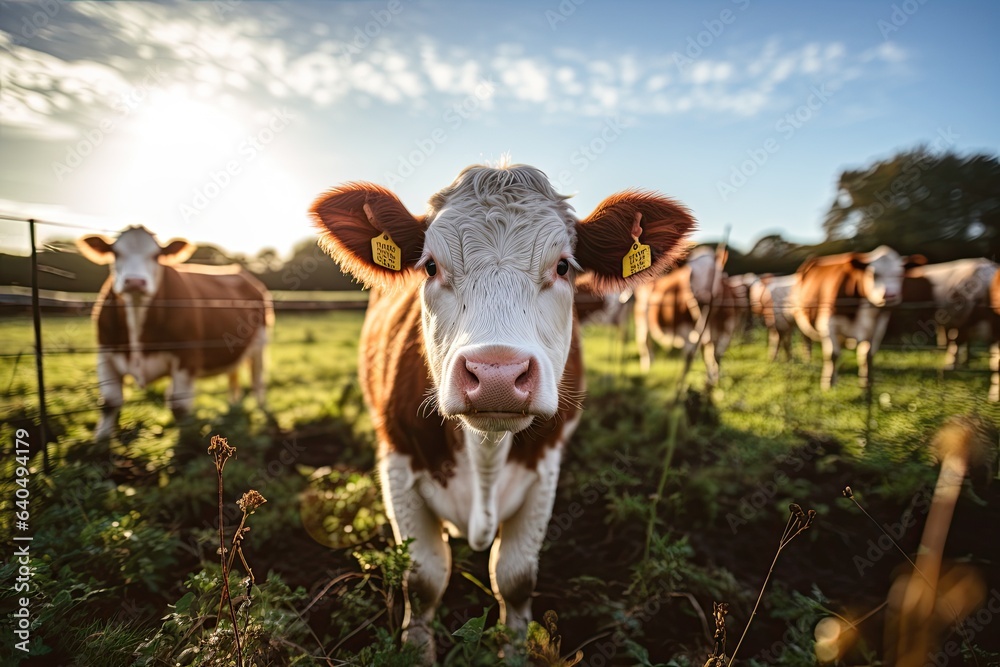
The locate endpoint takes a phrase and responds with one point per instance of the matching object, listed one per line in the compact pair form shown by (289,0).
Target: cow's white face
(498,250)
(883,278)
(136,259)
(498,300)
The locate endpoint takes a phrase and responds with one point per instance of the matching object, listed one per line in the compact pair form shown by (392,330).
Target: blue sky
(221,121)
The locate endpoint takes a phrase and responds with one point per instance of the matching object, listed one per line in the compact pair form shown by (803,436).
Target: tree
(944,206)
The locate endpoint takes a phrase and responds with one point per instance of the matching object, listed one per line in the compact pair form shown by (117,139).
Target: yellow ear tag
(386,253)
(637,259)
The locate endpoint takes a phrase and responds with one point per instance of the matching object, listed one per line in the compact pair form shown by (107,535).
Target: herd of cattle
(470,351)
(833,300)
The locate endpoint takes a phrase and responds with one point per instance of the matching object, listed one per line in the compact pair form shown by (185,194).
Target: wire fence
(795,377)
(17,299)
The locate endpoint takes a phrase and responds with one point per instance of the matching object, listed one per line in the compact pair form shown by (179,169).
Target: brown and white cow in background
(156,318)
(771,299)
(953,297)
(477,325)
(849,297)
(668,310)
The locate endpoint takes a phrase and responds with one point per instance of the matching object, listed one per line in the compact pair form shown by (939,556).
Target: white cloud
(255,56)
(526,80)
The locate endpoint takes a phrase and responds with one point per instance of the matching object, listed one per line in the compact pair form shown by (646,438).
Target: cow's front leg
(831,355)
(867,350)
(109,380)
(430,557)
(514,557)
(864,351)
(642,340)
(774,343)
(180,395)
(711,356)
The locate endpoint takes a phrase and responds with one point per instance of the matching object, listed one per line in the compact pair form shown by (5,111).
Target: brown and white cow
(668,311)
(770,298)
(849,297)
(470,358)
(952,298)
(156,318)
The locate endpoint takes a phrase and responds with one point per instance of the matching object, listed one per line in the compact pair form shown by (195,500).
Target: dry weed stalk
(221,452)
(717,658)
(798,522)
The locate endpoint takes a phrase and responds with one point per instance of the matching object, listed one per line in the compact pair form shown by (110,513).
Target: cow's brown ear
(913,261)
(606,236)
(350,216)
(177,251)
(96,248)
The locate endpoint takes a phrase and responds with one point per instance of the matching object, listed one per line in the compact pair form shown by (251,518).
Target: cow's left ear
(177,251)
(606,237)
(368,231)
(96,248)
(913,261)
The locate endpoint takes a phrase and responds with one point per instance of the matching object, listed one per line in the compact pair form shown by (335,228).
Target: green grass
(134,520)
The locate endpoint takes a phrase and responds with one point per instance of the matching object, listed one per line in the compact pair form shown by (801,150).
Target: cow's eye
(431,268)
(562,268)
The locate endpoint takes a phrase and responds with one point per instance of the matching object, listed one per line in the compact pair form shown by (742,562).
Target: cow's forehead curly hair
(517,186)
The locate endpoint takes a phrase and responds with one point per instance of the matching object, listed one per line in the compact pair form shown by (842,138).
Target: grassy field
(644,536)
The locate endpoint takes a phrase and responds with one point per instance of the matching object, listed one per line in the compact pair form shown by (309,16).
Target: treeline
(62,268)
(940,204)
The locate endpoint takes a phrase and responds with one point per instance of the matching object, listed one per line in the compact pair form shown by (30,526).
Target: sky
(221,121)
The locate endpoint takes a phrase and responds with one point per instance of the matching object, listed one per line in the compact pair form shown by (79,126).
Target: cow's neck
(136,309)
(487,454)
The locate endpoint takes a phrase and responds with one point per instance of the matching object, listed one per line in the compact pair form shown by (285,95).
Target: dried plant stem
(798,521)
(756,604)
(226,595)
(221,451)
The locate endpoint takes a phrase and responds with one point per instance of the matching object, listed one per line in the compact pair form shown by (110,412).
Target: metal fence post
(36,313)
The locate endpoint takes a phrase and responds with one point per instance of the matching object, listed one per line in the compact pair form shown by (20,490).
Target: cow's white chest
(144,368)
(862,326)
(467,500)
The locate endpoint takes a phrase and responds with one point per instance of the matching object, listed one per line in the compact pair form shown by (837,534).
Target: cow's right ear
(607,236)
(351,216)
(96,248)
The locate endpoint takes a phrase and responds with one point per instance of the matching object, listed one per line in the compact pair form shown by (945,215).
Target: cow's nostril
(470,379)
(526,380)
